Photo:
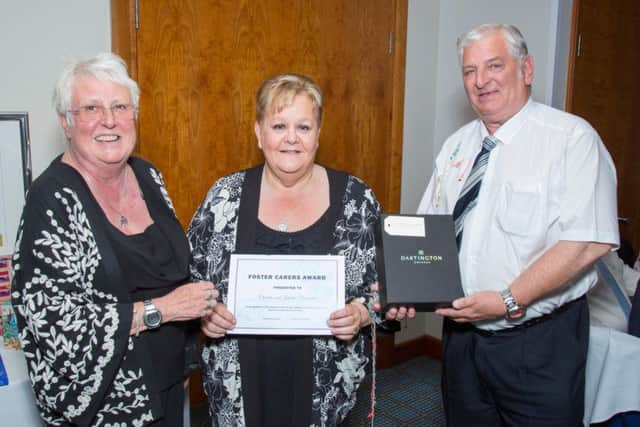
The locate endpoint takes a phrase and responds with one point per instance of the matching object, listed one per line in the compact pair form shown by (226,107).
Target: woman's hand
(394,313)
(218,322)
(346,323)
(189,301)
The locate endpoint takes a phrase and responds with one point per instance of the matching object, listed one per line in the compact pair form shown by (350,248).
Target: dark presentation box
(417,261)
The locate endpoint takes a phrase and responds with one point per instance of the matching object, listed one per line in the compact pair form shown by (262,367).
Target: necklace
(283,223)
(122,219)
(123,192)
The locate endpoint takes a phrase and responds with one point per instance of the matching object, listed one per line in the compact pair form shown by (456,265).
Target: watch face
(516,313)
(152,319)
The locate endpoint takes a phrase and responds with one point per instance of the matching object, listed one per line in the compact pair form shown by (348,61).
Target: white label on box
(411,226)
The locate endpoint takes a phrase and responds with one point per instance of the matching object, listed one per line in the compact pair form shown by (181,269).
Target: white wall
(435,103)
(37,37)
(565,9)
(420,91)
(419,124)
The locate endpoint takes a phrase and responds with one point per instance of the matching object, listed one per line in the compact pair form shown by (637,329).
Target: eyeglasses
(93,113)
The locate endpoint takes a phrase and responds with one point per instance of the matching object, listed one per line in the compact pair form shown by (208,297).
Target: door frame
(573,50)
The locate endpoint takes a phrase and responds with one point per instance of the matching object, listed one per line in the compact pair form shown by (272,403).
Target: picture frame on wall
(15,174)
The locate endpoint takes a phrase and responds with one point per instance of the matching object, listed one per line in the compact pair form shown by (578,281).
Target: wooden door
(605,90)
(199,64)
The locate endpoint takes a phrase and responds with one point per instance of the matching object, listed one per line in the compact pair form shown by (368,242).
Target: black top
(149,263)
(283,363)
(338,366)
(277,371)
(84,297)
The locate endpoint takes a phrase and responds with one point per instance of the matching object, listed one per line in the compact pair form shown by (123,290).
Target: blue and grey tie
(469,194)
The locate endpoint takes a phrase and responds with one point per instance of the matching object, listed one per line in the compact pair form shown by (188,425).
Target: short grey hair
(512,36)
(105,66)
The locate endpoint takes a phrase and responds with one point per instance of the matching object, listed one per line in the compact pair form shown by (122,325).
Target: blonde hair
(279,91)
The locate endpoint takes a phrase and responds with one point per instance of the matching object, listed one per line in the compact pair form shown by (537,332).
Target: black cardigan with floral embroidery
(227,214)
(74,307)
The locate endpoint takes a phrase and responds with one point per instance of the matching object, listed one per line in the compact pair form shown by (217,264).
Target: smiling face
(496,85)
(289,138)
(105,141)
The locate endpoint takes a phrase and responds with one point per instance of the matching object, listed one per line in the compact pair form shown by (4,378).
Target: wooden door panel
(606,92)
(199,64)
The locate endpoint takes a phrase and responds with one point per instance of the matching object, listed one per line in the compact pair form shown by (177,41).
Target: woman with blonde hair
(288,205)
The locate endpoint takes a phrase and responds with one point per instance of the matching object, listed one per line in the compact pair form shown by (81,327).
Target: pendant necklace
(122,220)
(282,224)
(123,192)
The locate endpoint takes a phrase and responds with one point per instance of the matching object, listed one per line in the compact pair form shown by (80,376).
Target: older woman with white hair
(102,289)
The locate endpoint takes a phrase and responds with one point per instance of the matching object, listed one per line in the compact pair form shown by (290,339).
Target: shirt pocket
(520,210)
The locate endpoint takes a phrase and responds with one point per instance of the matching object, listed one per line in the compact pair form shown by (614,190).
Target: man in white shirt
(514,348)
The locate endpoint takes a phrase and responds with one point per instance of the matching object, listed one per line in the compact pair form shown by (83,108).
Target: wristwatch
(514,310)
(152,317)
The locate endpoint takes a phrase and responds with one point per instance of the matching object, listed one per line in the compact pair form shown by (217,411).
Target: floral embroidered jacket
(338,366)
(73,304)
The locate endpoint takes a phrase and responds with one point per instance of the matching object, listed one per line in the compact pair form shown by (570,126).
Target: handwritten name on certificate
(285,294)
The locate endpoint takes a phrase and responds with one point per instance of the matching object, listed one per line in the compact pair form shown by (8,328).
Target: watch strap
(152,317)
(514,310)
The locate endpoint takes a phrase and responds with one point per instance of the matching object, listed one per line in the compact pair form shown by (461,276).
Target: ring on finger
(210,295)
(209,305)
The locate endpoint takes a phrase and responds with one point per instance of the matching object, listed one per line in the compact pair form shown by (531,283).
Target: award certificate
(285,294)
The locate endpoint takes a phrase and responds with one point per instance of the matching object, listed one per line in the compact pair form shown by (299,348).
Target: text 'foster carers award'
(285,294)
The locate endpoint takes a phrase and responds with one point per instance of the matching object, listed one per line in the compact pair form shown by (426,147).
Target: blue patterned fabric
(628,419)
(634,316)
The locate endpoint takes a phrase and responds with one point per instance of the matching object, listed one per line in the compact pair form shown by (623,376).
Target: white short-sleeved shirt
(550,178)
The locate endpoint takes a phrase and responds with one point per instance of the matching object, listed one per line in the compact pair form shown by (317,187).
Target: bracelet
(361,300)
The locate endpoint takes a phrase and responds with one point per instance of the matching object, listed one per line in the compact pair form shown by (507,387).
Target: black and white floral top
(74,307)
(225,221)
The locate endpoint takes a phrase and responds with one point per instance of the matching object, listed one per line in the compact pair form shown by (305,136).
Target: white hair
(512,36)
(105,66)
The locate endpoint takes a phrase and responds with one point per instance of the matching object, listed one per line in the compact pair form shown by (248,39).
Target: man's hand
(485,305)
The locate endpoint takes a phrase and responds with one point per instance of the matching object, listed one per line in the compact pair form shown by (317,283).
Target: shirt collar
(506,132)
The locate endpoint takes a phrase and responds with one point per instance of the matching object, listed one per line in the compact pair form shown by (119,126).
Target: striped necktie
(469,194)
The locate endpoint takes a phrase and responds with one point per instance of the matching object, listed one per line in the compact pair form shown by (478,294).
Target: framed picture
(15,175)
